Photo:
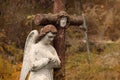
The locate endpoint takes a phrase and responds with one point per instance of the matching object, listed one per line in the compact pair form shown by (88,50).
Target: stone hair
(46,29)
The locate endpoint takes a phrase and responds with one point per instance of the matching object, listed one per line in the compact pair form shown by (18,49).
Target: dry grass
(103,67)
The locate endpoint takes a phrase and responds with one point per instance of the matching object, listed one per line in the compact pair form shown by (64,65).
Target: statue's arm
(37,64)
(55,62)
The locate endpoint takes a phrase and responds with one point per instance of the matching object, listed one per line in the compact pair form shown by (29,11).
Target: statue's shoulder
(52,48)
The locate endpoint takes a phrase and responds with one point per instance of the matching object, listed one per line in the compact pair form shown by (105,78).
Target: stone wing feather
(26,67)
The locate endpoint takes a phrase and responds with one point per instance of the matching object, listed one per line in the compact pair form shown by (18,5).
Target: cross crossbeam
(44,19)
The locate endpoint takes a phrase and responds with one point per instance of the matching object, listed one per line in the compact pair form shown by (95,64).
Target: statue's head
(47,33)
(46,29)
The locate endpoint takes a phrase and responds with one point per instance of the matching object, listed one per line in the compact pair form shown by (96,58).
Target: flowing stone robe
(41,63)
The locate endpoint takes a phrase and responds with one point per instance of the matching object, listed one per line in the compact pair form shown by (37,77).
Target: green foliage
(10,55)
(5,69)
(102,66)
(15,54)
(113,47)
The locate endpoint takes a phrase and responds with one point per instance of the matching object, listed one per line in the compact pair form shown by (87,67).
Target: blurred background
(103,22)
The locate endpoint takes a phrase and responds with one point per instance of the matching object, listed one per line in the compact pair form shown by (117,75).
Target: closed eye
(51,36)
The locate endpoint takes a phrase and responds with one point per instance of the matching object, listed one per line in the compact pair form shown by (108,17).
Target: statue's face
(63,21)
(49,37)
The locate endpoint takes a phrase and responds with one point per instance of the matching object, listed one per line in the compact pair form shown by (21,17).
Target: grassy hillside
(103,66)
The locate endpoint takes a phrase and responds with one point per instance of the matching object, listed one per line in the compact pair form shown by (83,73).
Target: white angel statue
(40,57)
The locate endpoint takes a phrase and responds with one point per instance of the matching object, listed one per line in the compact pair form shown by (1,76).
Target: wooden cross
(56,19)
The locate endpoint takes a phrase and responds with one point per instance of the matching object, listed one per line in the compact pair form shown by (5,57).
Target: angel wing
(31,38)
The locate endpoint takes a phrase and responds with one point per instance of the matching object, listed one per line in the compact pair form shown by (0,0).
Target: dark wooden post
(59,42)
(59,5)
